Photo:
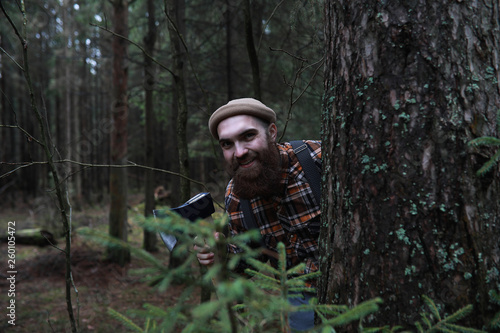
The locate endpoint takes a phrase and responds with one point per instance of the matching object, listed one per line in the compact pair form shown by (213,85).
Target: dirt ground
(40,304)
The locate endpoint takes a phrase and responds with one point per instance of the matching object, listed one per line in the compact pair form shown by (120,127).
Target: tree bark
(150,238)
(252,53)
(176,12)
(119,116)
(408,84)
(176,30)
(228,15)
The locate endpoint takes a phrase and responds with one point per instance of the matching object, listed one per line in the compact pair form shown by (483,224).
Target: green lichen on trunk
(407,86)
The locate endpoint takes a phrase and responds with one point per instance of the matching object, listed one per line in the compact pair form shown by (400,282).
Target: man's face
(251,156)
(242,138)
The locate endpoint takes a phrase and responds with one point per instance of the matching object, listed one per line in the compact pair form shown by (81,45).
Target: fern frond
(485,141)
(434,310)
(124,320)
(488,165)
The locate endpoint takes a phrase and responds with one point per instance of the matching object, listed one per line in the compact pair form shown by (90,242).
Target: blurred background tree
(72,67)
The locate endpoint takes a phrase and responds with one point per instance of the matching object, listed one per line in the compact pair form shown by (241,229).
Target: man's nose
(240,150)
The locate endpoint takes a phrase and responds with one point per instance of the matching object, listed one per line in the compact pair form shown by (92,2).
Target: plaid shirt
(293,218)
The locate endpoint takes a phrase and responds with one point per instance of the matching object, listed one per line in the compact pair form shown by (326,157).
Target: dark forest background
(71,60)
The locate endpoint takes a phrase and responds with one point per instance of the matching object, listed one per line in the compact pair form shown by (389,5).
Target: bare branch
(136,45)
(22,165)
(11,58)
(188,54)
(267,22)
(29,137)
(292,86)
(288,53)
(16,31)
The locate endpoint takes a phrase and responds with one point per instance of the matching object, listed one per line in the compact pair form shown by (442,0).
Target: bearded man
(269,177)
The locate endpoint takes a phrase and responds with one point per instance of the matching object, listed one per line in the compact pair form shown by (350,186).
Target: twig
(16,31)
(11,58)
(288,53)
(154,59)
(188,54)
(136,45)
(267,22)
(88,165)
(293,85)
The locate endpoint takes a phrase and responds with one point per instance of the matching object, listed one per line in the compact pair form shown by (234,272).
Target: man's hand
(204,254)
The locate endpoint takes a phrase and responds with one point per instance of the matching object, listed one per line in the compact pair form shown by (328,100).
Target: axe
(198,207)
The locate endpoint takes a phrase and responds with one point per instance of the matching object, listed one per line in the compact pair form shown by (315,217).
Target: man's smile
(247,163)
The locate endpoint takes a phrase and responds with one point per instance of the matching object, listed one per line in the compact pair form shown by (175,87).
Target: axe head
(198,207)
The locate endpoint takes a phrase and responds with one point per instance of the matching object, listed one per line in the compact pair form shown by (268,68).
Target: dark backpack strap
(311,171)
(248,217)
(249,221)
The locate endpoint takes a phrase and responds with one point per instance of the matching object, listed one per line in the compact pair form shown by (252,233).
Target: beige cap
(247,106)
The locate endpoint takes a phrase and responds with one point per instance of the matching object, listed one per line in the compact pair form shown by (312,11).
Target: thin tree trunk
(407,86)
(176,13)
(150,238)
(252,53)
(176,30)
(60,189)
(228,15)
(119,116)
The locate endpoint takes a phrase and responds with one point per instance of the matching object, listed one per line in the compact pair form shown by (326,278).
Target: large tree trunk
(408,84)
(150,238)
(119,116)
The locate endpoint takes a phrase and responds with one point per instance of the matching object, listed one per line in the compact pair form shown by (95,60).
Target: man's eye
(225,144)
(249,136)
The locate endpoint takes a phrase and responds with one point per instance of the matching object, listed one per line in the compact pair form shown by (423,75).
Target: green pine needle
(432,306)
(488,141)
(461,329)
(124,320)
(495,323)
(485,141)
(357,313)
(463,312)
(488,165)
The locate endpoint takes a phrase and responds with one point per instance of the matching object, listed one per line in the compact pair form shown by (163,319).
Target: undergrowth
(255,303)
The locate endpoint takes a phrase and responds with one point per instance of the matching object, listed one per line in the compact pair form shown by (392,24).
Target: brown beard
(263,179)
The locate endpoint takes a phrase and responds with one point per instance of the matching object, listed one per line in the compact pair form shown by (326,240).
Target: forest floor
(40,301)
